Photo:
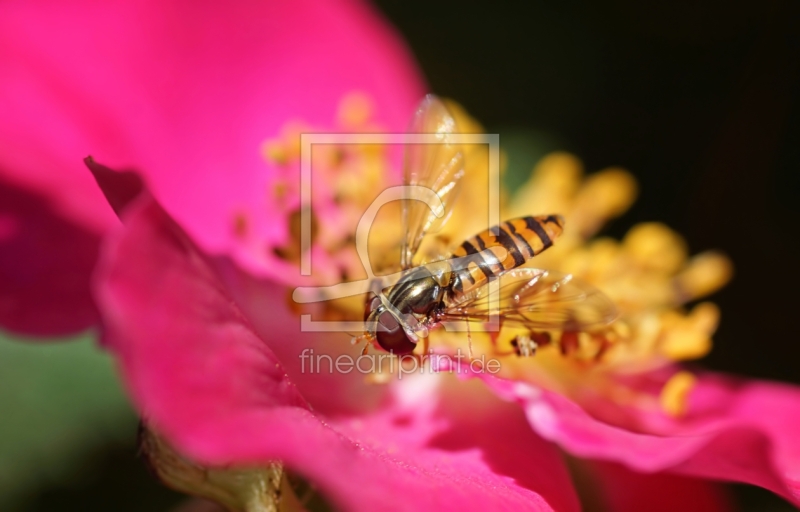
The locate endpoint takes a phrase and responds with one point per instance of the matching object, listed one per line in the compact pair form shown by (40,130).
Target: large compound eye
(391,336)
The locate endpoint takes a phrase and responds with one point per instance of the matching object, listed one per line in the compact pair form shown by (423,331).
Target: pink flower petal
(186,92)
(120,188)
(623,490)
(49,295)
(202,376)
(743,431)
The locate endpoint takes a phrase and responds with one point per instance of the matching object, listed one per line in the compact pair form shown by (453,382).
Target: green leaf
(58,400)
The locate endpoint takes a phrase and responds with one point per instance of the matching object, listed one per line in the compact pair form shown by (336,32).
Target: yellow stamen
(675,393)
(683,345)
(655,246)
(604,195)
(275,152)
(595,262)
(690,337)
(553,184)
(355,110)
(589,347)
(706,273)
(279,190)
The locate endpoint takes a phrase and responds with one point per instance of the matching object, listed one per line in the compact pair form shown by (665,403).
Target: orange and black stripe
(510,244)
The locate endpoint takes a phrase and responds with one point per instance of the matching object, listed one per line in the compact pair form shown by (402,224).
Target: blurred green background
(700,100)
(67,435)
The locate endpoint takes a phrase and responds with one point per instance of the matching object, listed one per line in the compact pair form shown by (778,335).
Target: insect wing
(537,299)
(438,166)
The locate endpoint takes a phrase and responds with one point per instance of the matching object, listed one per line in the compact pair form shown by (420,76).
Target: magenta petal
(623,490)
(119,187)
(200,374)
(743,431)
(49,294)
(187,92)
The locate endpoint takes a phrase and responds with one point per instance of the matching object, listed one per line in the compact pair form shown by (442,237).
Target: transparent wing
(537,299)
(437,166)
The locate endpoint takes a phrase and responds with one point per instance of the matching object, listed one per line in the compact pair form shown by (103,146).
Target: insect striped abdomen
(510,244)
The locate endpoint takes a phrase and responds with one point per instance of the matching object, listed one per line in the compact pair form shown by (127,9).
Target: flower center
(648,274)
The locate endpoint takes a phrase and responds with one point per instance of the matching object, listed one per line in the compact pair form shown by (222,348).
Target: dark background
(699,100)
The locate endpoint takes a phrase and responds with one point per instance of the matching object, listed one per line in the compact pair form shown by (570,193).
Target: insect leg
(366,337)
(426,346)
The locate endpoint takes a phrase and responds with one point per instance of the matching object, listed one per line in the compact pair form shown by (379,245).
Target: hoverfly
(457,286)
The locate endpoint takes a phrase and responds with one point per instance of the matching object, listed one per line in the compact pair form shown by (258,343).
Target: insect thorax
(420,292)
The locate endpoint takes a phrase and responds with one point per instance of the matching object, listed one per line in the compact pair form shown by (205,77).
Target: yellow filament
(675,393)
